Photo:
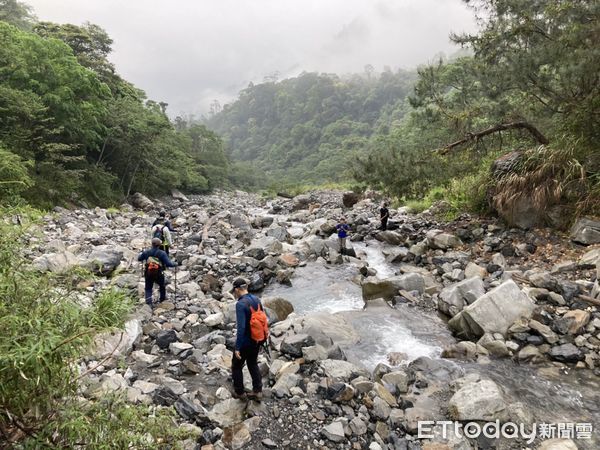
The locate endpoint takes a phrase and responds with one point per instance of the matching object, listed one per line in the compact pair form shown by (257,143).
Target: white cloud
(188,52)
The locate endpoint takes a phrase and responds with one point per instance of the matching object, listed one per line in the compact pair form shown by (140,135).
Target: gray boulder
(454,298)
(293,345)
(437,239)
(586,231)
(102,260)
(55,262)
(389,237)
(279,307)
(373,287)
(478,401)
(494,312)
(140,201)
(567,353)
(342,370)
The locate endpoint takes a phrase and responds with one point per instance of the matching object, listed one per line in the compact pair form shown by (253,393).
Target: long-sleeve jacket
(242,314)
(158,253)
(168,224)
(165,232)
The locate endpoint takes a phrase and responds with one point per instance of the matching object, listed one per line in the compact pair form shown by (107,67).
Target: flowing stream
(407,333)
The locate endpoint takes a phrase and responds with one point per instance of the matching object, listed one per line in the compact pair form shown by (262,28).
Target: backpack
(159,233)
(259,328)
(153,265)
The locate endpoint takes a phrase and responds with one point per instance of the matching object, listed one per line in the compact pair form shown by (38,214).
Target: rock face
(494,312)
(586,231)
(117,345)
(373,288)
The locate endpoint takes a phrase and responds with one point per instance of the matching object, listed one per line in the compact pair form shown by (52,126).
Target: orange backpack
(259,324)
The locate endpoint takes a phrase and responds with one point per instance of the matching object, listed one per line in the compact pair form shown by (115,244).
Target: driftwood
(495,129)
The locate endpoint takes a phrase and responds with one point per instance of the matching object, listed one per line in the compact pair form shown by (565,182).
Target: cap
(239,283)
(156,242)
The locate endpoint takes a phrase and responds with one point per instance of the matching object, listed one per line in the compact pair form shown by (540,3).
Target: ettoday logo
(507,430)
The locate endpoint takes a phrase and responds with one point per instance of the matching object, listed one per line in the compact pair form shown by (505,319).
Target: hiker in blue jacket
(155,262)
(246,350)
(342,231)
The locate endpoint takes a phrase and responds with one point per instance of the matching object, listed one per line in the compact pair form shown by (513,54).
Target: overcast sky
(189,52)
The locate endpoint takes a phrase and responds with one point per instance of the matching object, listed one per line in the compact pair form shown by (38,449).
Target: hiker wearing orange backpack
(252,332)
(155,262)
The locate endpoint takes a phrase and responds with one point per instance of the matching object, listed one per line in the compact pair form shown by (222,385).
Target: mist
(189,53)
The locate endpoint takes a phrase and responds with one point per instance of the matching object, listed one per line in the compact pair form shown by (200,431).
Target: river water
(553,395)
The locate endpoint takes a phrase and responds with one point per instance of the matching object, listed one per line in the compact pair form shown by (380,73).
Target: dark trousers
(248,355)
(384,224)
(149,284)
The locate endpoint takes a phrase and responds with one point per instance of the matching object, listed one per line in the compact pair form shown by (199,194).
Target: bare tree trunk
(495,129)
(132,178)
(102,151)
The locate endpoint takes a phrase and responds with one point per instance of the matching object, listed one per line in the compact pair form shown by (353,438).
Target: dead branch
(495,129)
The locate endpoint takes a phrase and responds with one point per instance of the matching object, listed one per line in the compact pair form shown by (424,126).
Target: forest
(527,83)
(72,130)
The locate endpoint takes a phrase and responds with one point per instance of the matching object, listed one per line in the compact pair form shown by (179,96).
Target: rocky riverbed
(467,321)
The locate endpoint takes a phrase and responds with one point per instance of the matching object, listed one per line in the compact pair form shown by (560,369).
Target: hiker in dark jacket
(246,350)
(155,262)
(162,219)
(384,214)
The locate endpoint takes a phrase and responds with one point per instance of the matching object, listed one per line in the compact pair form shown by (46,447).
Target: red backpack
(259,324)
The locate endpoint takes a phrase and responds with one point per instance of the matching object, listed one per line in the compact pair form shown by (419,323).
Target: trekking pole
(175,293)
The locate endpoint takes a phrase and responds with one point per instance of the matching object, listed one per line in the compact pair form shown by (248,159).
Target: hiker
(161,231)
(384,214)
(163,216)
(342,231)
(252,333)
(155,262)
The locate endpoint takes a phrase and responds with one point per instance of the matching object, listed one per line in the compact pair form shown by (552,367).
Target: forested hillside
(71,129)
(310,129)
(531,86)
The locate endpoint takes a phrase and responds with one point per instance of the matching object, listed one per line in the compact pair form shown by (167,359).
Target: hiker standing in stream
(252,332)
(156,260)
(384,214)
(342,231)
(160,230)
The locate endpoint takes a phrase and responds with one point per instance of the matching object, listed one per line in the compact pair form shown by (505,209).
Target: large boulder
(55,262)
(437,239)
(279,233)
(349,199)
(140,201)
(586,231)
(116,345)
(293,345)
(342,370)
(373,287)
(389,237)
(478,401)
(454,298)
(300,202)
(279,307)
(493,312)
(103,259)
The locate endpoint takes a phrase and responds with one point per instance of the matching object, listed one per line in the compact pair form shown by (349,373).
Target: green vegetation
(309,129)
(72,129)
(531,85)
(45,333)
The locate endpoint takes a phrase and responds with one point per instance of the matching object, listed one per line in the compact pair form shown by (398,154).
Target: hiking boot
(242,396)
(255,396)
